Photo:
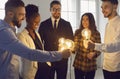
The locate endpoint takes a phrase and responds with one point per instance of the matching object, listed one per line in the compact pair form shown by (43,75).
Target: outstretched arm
(9,42)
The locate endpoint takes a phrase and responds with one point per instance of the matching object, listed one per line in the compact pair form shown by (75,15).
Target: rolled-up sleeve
(110,47)
(9,42)
(113,46)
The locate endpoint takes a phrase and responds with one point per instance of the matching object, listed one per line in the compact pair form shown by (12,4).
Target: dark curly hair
(31,11)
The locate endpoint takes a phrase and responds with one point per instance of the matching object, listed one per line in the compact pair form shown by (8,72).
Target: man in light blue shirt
(11,48)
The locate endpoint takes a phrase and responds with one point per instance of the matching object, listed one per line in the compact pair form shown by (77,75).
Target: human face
(85,21)
(18,17)
(34,22)
(56,11)
(108,9)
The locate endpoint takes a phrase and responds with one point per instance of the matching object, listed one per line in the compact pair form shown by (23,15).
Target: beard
(56,16)
(16,22)
(108,15)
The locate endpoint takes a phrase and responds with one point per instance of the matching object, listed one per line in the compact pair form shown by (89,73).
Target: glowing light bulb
(86,33)
(65,44)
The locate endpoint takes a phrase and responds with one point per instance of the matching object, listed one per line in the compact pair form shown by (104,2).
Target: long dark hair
(92,25)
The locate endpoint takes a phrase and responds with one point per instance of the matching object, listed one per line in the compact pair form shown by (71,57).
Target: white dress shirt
(53,20)
(111,45)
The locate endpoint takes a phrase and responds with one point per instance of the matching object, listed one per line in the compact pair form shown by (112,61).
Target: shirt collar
(113,19)
(53,19)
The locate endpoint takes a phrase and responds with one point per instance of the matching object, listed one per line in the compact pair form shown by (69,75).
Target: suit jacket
(28,68)
(50,37)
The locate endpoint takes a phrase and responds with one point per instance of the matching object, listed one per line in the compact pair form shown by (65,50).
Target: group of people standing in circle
(48,34)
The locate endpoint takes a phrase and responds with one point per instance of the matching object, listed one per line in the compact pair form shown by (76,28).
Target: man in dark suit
(51,30)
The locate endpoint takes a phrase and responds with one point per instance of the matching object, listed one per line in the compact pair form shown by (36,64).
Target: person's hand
(91,45)
(66,53)
(85,43)
(91,55)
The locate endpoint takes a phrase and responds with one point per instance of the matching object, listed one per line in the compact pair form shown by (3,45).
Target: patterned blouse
(81,61)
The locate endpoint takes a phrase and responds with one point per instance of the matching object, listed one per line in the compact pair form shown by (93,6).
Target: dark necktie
(55,26)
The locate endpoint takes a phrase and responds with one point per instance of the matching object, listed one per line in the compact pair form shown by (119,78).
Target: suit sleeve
(41,30)
(69,31)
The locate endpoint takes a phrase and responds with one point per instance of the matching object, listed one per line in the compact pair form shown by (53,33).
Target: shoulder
(97,32)
(118,17)
(46,21)
(77,32)
(23,33)
(118,20)
(3,25)
(64,21)
(96,36)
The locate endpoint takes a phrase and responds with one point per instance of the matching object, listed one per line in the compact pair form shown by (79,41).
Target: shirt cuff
(98,47)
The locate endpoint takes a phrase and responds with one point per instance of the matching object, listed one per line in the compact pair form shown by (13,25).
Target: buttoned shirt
(81,61)
(53,20)
(10,50)
(111,45)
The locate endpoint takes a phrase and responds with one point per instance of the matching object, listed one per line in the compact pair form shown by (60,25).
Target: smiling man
(111,45)
(11,48)
(51,30)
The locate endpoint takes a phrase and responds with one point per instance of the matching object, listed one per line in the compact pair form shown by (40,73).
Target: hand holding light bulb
(65,47)
(65,44)
(86,33)
(91,45)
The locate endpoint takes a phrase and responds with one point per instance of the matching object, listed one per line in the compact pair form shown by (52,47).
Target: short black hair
(31,11)
(112,1)
(11,4)
(55,2)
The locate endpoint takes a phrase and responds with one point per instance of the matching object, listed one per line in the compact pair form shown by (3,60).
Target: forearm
(110,47)
(16,47)
(35,55)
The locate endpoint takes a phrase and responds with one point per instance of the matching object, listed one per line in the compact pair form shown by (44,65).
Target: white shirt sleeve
(114,44)
(111,47)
